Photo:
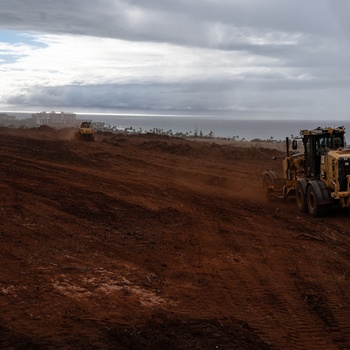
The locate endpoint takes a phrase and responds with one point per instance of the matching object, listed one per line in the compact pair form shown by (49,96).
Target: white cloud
(90,60)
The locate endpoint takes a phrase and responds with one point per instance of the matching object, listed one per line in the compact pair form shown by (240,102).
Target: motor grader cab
(318,177)
(85,132)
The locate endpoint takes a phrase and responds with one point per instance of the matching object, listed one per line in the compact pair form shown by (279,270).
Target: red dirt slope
(149,242)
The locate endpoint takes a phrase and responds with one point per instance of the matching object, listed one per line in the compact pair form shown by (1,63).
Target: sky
(243,58)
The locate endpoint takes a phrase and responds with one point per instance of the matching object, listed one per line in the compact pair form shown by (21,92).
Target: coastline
(280,146)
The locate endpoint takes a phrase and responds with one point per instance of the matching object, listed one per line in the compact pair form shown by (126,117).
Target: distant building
(55,120)
(6,120)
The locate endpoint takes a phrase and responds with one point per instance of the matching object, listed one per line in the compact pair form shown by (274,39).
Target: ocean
(220,126)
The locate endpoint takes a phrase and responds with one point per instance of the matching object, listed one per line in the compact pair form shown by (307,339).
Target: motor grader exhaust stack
(85,132)
(318,177)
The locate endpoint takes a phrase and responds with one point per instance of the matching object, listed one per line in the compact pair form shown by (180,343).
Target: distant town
(57,120)
(52,119)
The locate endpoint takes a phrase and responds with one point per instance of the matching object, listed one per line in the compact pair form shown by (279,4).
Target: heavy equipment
(318,177)
(85,132)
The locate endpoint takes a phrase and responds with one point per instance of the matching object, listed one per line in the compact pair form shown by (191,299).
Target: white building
(55,120)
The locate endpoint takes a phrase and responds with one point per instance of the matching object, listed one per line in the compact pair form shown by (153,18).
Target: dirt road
(149,242)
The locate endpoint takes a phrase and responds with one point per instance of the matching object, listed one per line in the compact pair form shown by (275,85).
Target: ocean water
(220,126)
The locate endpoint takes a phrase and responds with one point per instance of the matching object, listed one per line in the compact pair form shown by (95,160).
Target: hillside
(150,242)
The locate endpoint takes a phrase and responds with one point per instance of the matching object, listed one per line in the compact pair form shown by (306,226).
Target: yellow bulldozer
(318,177)
(85,132)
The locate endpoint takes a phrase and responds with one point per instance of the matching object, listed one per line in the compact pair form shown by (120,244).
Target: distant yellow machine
(85,132)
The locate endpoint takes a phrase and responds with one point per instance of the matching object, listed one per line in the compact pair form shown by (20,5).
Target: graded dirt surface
(150,242)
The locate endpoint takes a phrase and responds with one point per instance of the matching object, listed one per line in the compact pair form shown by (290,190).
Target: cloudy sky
(252,58)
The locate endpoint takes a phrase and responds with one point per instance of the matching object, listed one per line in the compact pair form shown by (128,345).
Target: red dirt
(149,242)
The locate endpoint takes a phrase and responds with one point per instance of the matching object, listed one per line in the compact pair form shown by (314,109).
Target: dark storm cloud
(273,92)
(109,96)
(306,16)
(197,23)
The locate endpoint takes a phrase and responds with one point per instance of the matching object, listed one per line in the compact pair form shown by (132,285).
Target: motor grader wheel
(301,199)
(88,137)
(316,203)
(84,137)
(268,183)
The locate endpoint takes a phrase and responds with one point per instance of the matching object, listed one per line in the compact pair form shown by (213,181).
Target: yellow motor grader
(85,132)
(319,177)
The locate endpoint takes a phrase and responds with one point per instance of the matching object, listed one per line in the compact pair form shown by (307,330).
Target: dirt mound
(172,148)
(146,242)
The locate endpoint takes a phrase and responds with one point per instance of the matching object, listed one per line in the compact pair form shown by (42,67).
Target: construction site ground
(152,242)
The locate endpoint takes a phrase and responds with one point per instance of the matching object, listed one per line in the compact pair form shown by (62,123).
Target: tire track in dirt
(279,309)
